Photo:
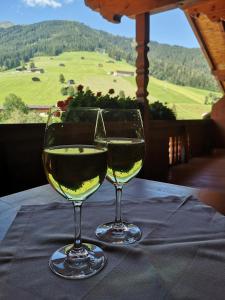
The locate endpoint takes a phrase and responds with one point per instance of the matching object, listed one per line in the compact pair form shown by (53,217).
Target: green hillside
(83,68)
(178,65)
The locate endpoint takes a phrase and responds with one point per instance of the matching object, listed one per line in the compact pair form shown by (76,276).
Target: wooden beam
(214,9)
(153,6)
(112,10)
(222,26)
(219,74)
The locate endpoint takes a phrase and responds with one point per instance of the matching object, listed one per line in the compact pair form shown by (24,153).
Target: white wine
(125,159)
(75,171)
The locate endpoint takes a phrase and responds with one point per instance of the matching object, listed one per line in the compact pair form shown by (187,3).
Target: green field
(189,101)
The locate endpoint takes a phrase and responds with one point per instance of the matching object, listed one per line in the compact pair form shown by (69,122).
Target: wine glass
(75,166)
(126,149)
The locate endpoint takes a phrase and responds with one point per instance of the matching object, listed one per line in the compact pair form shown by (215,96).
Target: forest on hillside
(179,65)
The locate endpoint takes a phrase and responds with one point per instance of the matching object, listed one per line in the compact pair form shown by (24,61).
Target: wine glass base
(118,233)
(81,264)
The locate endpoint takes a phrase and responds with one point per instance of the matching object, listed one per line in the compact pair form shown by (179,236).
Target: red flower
(63,104)
(98,94)
(64,108)
(111,91)
(56,114)
(66,102)
(80,88)
(70,98)
(60,103)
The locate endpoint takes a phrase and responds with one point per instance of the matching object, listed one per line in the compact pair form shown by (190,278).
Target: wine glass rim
(55,108)
(121,109)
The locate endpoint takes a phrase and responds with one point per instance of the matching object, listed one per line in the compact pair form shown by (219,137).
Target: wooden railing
(20,157)
(171,142)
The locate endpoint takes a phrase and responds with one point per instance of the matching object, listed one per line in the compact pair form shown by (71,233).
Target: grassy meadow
(189,102)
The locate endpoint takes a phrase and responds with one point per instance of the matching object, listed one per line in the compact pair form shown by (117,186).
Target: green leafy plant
(87,98)
(159,111)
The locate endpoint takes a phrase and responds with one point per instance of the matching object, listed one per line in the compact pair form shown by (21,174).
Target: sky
(168,27)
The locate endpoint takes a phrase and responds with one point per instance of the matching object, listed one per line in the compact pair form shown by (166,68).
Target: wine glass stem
(118,203)
(77,223)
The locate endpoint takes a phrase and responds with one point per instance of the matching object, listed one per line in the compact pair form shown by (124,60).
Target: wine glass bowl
(126,149)
(75,166)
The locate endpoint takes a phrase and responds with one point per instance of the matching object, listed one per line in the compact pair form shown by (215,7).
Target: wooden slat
(219,74)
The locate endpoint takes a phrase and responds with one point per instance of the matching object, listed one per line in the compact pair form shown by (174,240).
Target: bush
(160,111)
(36,79)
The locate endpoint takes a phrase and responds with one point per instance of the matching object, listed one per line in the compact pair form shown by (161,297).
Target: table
(181,254)
(9,205)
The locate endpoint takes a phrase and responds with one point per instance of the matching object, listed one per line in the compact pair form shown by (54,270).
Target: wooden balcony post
(142,63)
(142,79)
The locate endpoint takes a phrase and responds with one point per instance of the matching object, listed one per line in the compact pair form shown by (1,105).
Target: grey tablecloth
(181,254)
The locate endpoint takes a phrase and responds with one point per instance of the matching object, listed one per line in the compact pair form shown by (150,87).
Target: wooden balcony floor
(201,172)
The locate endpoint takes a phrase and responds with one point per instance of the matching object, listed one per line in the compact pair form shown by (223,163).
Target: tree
(70,91)
(64,91)
(22,64)
(12,103)
(174,109)
(61,78)
(122,94)
(32,65)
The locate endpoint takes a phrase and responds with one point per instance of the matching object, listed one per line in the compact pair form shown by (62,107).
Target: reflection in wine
(125,159)
(75,171)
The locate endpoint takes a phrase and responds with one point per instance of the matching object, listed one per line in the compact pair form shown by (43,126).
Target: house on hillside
(37,108)
(123,73)
(37,70)
(20,69)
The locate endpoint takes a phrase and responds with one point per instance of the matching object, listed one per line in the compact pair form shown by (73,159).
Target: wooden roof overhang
(207,18)
(113,10)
